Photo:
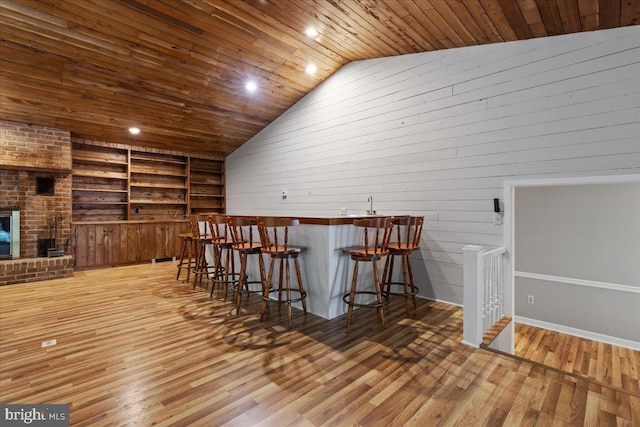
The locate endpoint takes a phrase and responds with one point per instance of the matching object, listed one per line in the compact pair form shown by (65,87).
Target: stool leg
(190,250)
(265,290)
(304,302)
(217,267)
(411,282)
(352,295)
(280,275)
(230,259)
(196,268)
(204,267)
(201,264)
(378,294)
(406,281)
(263,278)
(183,250)
(241,281)
(288,284)
(387,276)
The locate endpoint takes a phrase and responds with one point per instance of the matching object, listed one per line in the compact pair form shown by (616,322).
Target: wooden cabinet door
(79,246)
(84,246)
(117,248)
(146,238)
(162,247)
(133,243)
(102,242)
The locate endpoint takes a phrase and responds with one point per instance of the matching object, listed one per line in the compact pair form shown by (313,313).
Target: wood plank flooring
(137,347)
(605,364)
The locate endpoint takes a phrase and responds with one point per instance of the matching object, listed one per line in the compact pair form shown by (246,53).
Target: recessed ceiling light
(311,69)
(134,130)
(311,32)
(251,86)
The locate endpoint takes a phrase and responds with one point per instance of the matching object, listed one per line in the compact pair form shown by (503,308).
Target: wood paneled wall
(438,133)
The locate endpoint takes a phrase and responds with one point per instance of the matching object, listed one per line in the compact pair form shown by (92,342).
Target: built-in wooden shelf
(150,158)
(120,183)
(100,174)
(163,173)
(152,185)
(98,203)
(157,202)
(99,190)
(91,158)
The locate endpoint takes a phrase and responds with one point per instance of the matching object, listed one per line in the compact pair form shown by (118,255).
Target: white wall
(437,133)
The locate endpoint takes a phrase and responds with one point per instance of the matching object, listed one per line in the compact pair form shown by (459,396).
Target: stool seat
(377,232)
(251,247)
(281,251)
(397,248)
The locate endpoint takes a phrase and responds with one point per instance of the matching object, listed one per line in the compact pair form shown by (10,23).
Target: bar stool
(245,241)
(274,238)
(186,249)
(377,232)
(200,241)
(223,274)
(407,232)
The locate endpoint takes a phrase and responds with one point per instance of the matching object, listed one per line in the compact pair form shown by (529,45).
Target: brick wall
(44,153)
(37,147)
(32,269)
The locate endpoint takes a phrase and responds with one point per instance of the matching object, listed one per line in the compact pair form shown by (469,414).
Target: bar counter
(326,271)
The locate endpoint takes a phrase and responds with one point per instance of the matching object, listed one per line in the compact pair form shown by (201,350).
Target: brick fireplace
(35,177)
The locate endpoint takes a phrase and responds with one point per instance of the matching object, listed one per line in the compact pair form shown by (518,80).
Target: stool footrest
(236,288)
(302,296)
(414,289)
(373,304)
(233,278)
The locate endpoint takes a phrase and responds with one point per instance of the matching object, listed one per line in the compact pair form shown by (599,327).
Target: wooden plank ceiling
(177,69)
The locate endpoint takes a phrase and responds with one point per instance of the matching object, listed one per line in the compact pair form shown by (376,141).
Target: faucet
(370,211)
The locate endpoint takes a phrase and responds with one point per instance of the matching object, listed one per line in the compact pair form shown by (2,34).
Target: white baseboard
(440,300)
(470,344)
(634,345)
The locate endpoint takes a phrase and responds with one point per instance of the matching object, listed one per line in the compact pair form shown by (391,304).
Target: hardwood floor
(605,364)
(136,347)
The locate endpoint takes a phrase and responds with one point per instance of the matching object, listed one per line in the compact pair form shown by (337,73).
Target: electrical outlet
(497,218)
(343,211)
(530,299)
(49,343)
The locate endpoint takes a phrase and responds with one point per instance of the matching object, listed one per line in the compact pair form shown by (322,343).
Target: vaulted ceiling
(178,69)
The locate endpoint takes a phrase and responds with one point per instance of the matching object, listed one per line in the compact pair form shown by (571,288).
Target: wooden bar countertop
(311,220)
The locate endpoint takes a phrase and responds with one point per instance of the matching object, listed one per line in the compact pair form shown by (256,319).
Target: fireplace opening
(10,233)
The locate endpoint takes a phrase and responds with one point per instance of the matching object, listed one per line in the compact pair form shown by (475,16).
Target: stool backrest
(274,233)
(408,230)
(194,226)
(219,227)
(242,233)
(377,232)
